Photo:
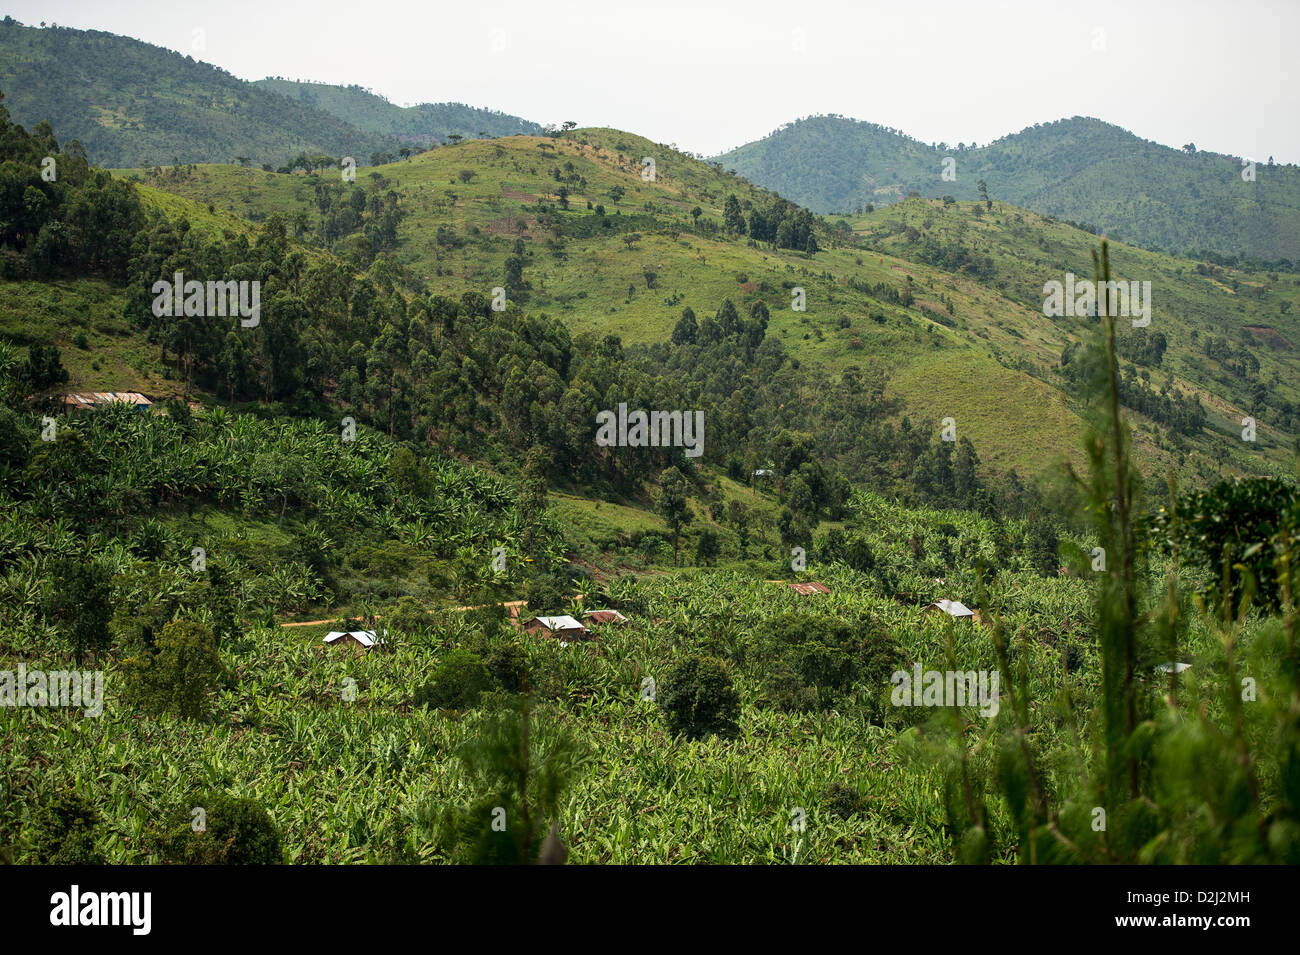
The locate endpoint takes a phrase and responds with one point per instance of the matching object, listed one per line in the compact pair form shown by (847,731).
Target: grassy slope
(116,356)
(993,371)
(1028,250)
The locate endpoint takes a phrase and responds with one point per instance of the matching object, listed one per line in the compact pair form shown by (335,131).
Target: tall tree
(673,504)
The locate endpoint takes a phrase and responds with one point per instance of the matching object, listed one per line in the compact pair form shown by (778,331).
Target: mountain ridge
(1080,169)
(422,123)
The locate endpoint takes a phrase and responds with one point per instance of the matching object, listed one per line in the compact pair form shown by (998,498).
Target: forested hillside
(695,272)
(133,104)
(1082,170)
(421,125)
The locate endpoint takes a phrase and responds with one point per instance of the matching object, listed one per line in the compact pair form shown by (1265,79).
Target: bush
(236,831)
(457,684)
(800,654)
(786,690)
(180,676)
(80,602)
(844,801)
(65,832)
(699,698)
(410,616)
(508,664)
(546,593)
(518,767)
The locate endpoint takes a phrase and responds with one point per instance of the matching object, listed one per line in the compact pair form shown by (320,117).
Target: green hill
(403,443)
(970,342)
(423,124)
(132,104)
(1082,170)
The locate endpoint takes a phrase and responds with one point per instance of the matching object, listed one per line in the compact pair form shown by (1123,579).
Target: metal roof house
(358,639)
(604,616)
(812,587)
(87,400)
(562,626)
(955,608)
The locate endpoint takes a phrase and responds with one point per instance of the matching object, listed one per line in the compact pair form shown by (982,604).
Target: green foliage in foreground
(1202,770)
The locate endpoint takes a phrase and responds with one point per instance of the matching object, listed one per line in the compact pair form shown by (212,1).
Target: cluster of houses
(566,628)
(563,627)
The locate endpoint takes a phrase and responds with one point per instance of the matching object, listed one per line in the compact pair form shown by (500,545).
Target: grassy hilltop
(972,344)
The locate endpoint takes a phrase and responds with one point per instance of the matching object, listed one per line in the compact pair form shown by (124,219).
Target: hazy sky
(709,76)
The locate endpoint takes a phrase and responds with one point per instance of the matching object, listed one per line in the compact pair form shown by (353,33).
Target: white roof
(564,622)
(954,608)
(366,638)
(1173,667)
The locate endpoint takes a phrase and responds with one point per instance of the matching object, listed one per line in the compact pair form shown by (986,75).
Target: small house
(812,587)
(564,627)
(89,400)
(602,617)
(955,609)
(357,639)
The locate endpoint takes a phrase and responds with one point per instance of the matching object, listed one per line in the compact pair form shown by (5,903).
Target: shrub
(80,602)
(844,801)
(65,832)
(546,593)
(236,831)
(180,676)
(457,684)
(518,767)
(700,699)
(508,664)
(786,690)
(410,616)
(799,653)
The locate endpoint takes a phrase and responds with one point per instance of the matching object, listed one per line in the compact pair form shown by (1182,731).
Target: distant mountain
(134,104)
(422,124)
(1082,170)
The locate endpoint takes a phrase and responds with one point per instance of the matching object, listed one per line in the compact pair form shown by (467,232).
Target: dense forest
(425,124)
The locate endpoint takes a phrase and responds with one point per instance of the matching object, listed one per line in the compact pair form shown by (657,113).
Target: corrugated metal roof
(810,588)
(563,622)
(954,608)
(366,638)
(605,616)
(91,398)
